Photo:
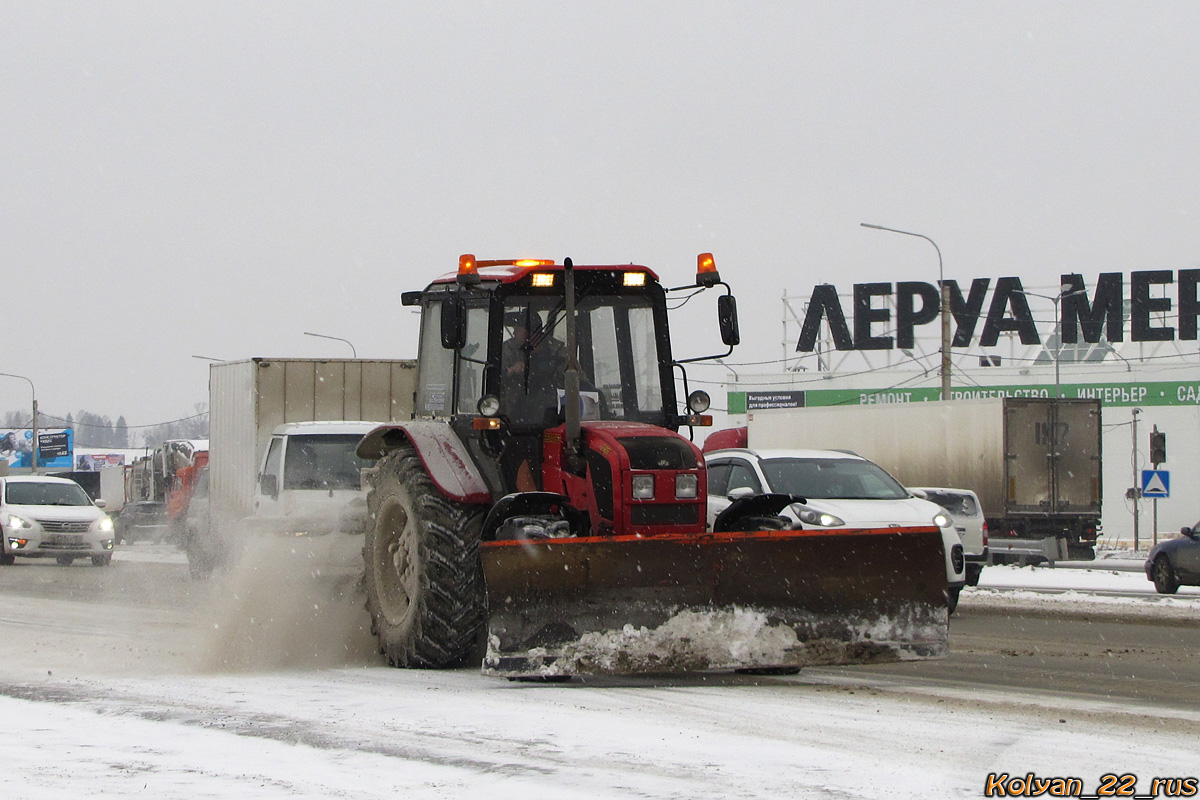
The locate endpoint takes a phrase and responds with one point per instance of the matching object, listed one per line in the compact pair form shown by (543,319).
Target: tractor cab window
(533,357)
(472,358)
(618,359)
(621,356)
(434,390)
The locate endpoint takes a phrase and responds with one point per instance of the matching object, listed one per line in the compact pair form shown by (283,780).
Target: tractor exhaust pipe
(573,455)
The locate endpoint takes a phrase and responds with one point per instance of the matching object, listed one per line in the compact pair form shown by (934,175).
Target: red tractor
(542,493)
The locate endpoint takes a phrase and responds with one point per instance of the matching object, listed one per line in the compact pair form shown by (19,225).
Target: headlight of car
(942,521)
(17,522)
(105,525)
(810,516)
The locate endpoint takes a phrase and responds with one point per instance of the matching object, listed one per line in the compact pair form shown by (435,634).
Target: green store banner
(1154,393)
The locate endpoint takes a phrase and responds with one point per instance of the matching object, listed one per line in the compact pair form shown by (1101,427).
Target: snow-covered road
(366,731)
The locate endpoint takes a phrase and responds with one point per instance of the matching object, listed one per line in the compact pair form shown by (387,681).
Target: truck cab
(310,479)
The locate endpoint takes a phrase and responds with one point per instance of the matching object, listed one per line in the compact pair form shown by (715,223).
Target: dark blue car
(1175,562)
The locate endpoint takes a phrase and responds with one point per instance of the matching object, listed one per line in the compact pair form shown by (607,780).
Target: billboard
(55,448)
(94,462)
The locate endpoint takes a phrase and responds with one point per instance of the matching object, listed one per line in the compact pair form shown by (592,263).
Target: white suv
(45,517)
(842,490)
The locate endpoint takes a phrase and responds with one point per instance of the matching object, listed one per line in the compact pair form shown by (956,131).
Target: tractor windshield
(618,359)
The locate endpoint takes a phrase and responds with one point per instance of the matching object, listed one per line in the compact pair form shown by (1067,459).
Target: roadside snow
(373,732)
(379,733)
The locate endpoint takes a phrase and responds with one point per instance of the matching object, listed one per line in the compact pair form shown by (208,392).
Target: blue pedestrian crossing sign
(1156,483)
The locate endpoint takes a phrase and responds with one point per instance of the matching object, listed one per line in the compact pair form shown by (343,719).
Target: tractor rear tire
(423,579)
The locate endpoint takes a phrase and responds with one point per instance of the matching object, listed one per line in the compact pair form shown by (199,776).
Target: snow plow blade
(679,603)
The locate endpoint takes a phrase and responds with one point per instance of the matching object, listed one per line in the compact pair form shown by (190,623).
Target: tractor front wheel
(423,578)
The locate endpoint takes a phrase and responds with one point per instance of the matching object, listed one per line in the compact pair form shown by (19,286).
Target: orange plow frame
(680,603)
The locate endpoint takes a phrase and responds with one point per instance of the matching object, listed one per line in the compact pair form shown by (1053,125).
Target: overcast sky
(215,179)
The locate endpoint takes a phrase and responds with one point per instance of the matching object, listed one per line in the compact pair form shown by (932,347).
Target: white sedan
(47,517)
(842,490)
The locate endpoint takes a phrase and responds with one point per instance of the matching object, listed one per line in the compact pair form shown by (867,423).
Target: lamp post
(944,294)
(1064,290)
(33,393)
(336,339)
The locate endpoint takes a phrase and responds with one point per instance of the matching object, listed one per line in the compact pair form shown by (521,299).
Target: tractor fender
(444,455)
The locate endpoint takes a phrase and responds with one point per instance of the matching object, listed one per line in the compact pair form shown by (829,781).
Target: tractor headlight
(821,519)
(686,486)
(699,401)
(643,487)
(489,405)
(942,520)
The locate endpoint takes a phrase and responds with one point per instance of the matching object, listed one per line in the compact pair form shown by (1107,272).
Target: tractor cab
(496,342)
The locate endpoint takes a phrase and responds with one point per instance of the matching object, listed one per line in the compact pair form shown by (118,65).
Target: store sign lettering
(1085,315)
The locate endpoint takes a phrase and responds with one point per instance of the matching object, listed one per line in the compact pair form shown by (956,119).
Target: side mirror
(100,503)
(454,322)
(741,492)
(1188,532)
(728,320)
(268,485)
(921,493)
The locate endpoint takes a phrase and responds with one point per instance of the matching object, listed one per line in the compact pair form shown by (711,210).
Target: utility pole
(943,299)
(36,451)
(1136,491)
(33,393)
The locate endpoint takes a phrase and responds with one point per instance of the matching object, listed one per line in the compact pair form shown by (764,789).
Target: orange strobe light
(706,270)
(468,272)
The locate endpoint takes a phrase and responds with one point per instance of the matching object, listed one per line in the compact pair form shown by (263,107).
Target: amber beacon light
(468,270)
(706,270)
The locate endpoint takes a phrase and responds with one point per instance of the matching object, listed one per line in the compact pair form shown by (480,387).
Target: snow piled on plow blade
(762,600)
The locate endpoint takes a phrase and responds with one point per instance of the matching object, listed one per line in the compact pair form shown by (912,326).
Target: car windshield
(832,479)
(957,503)
(31,493)
(323,461)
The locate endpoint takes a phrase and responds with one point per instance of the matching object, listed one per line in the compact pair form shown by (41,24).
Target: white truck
(282,435)
(1033,462)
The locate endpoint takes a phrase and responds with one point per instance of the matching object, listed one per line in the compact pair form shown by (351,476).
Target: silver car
(45,517)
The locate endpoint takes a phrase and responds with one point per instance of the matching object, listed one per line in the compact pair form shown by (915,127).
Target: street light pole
(33,393)
(944,302)
(336,339)
(1056,299)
